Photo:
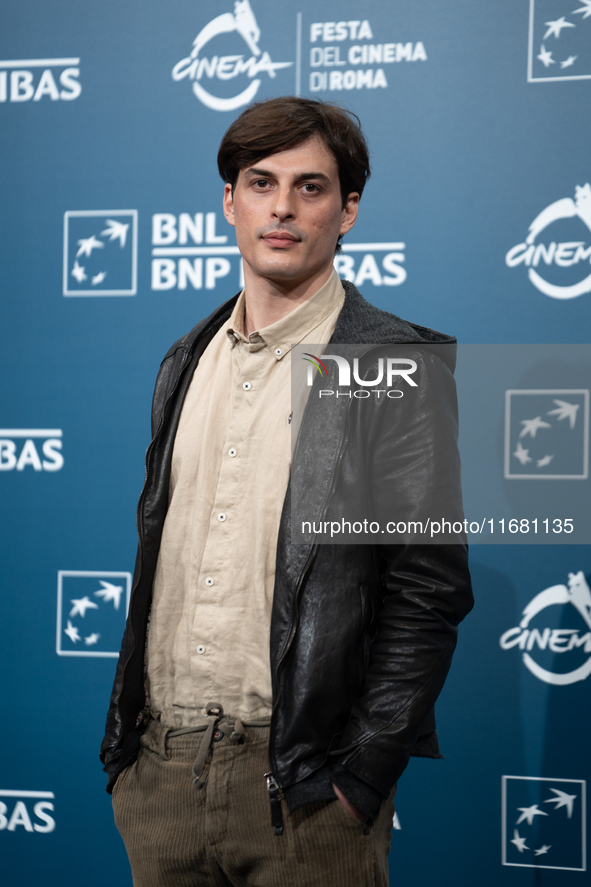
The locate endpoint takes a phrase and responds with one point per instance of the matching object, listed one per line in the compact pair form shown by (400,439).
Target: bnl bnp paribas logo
(36,80)
(553,653)
(31,449)
(26,811)
(544,823)
(559,40)
(557,249)
(91,612)
(226,66)
(190,251)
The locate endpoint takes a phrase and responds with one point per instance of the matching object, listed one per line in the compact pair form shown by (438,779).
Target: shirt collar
(294,327)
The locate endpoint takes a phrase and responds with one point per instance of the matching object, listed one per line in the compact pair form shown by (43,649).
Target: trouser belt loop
(238,731)
(214,713)
(161,737)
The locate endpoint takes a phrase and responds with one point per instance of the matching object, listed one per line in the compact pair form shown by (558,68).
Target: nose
(284,204)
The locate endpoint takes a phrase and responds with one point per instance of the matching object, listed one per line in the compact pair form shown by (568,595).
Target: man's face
(288,213)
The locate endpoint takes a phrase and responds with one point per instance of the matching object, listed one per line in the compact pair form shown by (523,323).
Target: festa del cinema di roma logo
(553,254)
(542,642)
(223,68)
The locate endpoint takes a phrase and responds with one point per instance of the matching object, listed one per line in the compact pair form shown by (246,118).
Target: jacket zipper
(139,530)
(275,796)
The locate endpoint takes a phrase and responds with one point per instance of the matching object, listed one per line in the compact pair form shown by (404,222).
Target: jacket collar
(359,322)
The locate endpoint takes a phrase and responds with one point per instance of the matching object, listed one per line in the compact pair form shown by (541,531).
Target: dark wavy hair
(266,128)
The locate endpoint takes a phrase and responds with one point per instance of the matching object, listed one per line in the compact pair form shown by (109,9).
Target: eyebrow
(265,173)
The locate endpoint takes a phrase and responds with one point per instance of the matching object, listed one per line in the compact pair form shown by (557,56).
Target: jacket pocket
(120,780)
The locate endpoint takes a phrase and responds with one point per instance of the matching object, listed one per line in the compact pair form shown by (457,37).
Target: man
(257,730)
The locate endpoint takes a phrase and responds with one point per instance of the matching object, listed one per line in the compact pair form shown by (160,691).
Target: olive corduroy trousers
(179,834)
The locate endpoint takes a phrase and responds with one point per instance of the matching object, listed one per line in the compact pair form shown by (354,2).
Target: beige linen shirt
(213,588)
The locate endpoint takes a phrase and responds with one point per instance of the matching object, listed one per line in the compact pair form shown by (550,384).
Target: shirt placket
(227,520)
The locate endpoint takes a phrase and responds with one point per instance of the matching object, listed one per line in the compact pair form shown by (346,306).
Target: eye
(260,183)
(310,188)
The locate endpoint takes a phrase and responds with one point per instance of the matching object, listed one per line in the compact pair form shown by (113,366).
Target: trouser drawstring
(214,713)
(218,725)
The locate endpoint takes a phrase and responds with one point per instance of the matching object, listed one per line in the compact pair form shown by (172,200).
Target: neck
(267,301)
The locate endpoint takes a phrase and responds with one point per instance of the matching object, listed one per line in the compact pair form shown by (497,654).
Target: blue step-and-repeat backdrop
(477,221)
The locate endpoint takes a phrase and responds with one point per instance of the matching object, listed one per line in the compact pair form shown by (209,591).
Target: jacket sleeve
(425,589)
(112,753)
(123,730)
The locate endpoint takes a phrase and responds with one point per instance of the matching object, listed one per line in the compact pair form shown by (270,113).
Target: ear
(228,204)
(350,210)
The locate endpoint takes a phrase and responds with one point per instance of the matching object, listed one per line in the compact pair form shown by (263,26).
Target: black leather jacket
(362,636)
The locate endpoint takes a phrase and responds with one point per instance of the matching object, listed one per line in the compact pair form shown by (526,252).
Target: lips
(280,238)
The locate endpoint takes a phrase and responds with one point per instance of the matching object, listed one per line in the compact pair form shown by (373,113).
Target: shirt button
(209,581)
(221,517)
(232,452)
(247,386)
(200,649)
(278,352)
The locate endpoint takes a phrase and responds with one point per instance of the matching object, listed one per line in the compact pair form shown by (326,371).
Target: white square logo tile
(547,434)
(100,252)
(544,823)
(91,612)
(559,40)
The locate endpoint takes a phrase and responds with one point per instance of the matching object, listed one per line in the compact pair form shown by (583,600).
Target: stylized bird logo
(78,272)
(110,592)
(116,231)
(81,605)
(565,410)
(87,244)
(545,57)
(98,278)
(545,460)
(531,426)
(518,841)
(91,639)
(543,849)
(586,9)
(569,62)
(72,632)
(556,27)
(562,799)
(522,454)
(528,814)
